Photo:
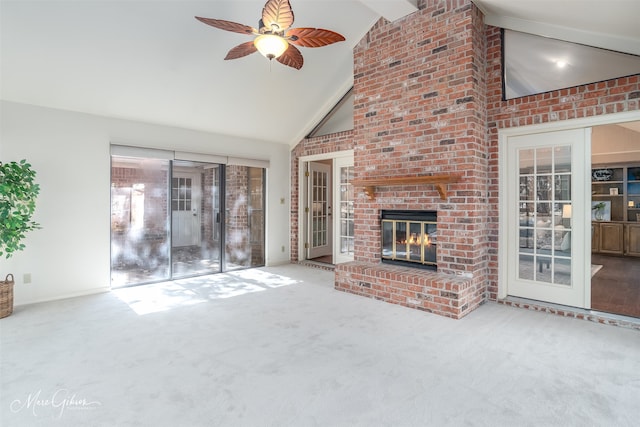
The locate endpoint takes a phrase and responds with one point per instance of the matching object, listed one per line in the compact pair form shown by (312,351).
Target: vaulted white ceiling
(151,61)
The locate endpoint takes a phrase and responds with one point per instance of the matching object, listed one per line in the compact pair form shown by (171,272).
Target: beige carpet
(279,346)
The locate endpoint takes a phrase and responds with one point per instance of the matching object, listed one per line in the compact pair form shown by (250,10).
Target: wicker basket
(6,296)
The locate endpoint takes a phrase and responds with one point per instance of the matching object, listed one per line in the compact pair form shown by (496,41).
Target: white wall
(69,151)
(614,144)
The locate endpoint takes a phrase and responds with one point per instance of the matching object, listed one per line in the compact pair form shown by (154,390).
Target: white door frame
(302,192)
(503,139)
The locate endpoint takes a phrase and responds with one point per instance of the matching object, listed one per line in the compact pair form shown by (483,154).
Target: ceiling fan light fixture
(276,39)
(270,45)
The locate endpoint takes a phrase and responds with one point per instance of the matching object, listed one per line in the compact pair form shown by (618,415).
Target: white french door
(547,217)
(320,216)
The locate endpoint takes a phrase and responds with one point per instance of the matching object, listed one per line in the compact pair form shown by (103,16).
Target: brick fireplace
(419,113)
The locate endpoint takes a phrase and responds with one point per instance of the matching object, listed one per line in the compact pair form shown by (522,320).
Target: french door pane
(544,225)
(346,210)
(320,210)
(140,234)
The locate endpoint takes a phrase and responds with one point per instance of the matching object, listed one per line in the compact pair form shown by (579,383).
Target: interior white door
(185,207)
(547,217)
(320,216)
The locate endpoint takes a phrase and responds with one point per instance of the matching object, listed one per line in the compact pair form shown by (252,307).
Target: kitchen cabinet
(611,238)
(615,238)
(632,239)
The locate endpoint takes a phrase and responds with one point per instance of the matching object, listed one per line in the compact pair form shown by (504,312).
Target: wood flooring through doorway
(616,287)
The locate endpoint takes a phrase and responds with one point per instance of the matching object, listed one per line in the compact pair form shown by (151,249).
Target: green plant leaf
(18,194)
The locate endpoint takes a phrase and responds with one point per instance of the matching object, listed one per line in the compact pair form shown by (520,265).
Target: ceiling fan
(275,37)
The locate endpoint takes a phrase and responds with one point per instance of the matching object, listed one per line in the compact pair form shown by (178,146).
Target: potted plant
(18,193)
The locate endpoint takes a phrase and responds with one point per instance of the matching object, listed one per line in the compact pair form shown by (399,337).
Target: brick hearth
(421,289)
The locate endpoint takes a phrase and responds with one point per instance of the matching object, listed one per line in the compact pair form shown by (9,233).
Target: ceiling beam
(392,10)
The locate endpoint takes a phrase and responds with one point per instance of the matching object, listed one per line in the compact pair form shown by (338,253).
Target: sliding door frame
(219,162)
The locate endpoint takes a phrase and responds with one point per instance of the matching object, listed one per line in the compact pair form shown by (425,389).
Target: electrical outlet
(26,278)
(283,249)
(282,200)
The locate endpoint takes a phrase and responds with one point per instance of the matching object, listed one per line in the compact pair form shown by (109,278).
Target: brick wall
(612,96)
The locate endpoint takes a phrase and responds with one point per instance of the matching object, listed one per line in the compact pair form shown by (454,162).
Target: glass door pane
(244,217)
(320,217)
(139,226)
(195,219)
(343,239)
(545,214)
(346,211)
(256,216)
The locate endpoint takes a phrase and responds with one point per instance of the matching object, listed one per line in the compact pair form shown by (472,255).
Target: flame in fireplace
(417,239)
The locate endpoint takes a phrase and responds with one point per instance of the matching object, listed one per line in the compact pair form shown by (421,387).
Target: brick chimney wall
(420,110)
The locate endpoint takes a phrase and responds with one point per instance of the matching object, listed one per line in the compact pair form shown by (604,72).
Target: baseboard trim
(91,291)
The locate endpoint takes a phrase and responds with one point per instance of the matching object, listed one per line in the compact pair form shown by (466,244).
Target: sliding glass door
(167,219)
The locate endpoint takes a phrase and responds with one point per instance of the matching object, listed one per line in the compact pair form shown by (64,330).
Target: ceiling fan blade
(279,13)
(291,58)
(241,50)
(228,25)
(313,37)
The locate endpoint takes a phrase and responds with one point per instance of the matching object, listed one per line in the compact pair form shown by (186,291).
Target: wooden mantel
(440,181)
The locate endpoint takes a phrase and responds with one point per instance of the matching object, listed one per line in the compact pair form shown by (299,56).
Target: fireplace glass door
(409,240)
